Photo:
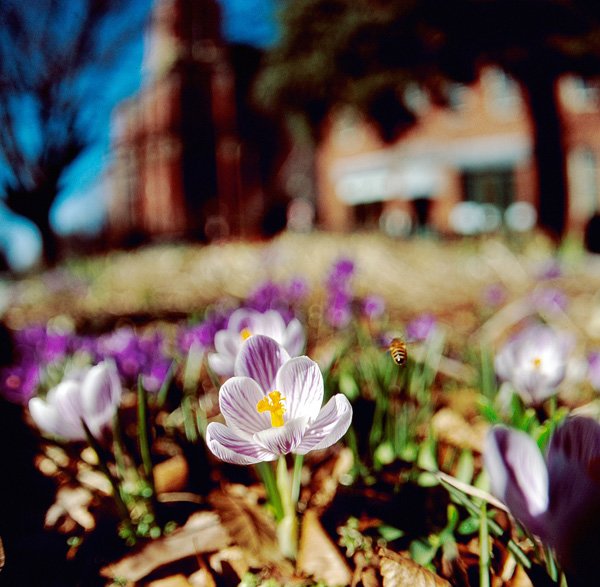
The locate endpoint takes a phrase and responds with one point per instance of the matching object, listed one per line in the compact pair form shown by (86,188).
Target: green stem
(161,396)
(296,479)
(287,527)
(189,425)
(265,470)
(144,436)
(118,446)
(122,508)
(484,547)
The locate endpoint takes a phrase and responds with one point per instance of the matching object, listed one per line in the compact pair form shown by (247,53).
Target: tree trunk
(35,205)
(50,249)
(549,152)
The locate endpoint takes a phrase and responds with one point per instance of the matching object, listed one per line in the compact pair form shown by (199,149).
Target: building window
(578,94)
(367,215)
(502,95)
(583,182)
(489,186)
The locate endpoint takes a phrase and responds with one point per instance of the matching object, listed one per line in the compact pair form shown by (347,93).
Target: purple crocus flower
(534,362)
(338,311)
(273,406)
(92,396)
(558,499)
(421,327)
(244,323)
(135,355)
(373,306)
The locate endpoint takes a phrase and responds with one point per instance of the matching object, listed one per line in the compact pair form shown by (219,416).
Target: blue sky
(81,206)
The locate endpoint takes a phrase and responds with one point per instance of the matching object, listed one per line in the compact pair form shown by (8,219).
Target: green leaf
(468,526)
(422,552)
(465,467)
(389,533)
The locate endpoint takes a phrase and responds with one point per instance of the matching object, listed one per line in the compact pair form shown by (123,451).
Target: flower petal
(301,383)
(227,343)
(239,320)
(284,439)
(101,389)
(260,358)
(238,398)
(518,476)
(578,440)
(61,413)
(331,424)
(270,323)
(295,338)
(45,416)
(221,364)
(228,446)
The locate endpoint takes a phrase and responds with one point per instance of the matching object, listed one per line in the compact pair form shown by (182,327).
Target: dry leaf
(171,475)
(450,427)
(71,503)
(173,581)
(318,556)
(249,526)
(399,571)
(203,532)
(325,481)
(234,556)
(202,578)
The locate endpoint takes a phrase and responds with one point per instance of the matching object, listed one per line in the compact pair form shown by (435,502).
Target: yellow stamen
(245,334)
(272,403)
(537,362)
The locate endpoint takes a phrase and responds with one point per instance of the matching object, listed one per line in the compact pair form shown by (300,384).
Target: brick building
(478,150)
(190,158)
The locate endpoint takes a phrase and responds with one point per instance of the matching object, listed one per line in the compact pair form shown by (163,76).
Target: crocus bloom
(244,323)
(272,407)
(421,327)
(373,306)
(558,500)
(534,362)
(92,397)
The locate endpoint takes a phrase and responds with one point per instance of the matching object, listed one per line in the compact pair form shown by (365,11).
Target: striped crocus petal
(260,358)
(331,424)
(233,448)
(284,439)
(100,394)
(301,383)
(518,476)
(227,344)
(269,323)
(574,471)
(60,414)
(295,338)
(238,398)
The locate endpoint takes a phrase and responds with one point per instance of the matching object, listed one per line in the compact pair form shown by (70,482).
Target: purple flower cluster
(37,348)
(281,297)
(421,327)
(338,310)
(135,355)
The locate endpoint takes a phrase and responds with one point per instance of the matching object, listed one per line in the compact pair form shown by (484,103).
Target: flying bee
(398,351)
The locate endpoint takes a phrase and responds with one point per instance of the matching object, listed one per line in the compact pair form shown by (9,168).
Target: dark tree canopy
(365,54)
(59,61)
